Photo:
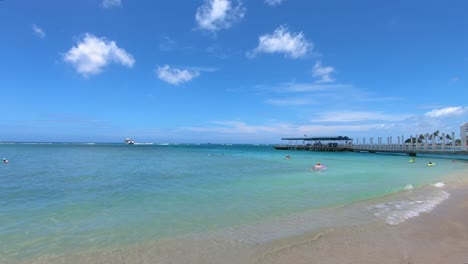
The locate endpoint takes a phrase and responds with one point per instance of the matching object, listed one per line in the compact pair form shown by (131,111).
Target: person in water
(288,157)
(5,160)
(317,166)
(430,163)
(412,160)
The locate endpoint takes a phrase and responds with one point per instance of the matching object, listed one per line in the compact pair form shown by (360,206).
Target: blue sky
(227,71)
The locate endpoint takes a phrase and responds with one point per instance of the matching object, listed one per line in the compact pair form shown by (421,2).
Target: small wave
(439,184)
(409,187)
(397,212)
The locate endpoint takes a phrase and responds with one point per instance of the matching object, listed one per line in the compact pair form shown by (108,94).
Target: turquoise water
(67,198)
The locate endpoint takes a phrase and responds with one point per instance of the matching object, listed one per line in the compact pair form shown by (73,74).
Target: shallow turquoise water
(59,198)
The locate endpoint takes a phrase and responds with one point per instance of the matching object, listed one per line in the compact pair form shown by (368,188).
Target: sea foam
(439,184)
(409,187)
(397,212)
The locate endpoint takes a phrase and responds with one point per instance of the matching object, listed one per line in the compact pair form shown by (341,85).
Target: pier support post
(443,141)
(453,141)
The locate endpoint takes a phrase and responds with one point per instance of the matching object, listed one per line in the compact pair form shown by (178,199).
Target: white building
(463,135)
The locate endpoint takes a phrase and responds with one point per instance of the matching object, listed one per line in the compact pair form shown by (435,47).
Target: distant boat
(129,141)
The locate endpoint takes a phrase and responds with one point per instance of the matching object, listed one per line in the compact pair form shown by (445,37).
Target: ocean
(91,200)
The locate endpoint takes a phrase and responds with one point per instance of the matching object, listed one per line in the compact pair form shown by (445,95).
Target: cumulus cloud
(92,54)
(324,74)
(448,111)
(293,45)
(175,76)
(111,3)
(273,2)
(38,31)
(215,15)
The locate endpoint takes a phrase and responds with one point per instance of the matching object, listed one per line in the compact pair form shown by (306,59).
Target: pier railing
(417,143)
(405,147)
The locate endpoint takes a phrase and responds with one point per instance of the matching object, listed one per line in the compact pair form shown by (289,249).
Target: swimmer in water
(5,160)
(318,166)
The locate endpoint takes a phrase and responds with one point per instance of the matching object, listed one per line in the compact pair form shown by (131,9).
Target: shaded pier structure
(317,143)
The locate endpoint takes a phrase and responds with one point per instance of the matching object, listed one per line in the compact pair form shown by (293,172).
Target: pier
(443,144)
(317,144)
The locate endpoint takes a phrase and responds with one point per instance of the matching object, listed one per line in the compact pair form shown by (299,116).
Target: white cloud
(282,129)
(232,127)
(111,3)
(323,73)
(292,87)
(310,93)
(92,54)
(273,2)
(38,31)
(448,111)
(215,15)
(175,76)
(293,45)
(167,44)
(288,101)
(357,116)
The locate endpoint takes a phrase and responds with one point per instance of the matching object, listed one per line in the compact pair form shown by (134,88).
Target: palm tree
(428,137)
(436,135)
(418,140)
(421,138)
(448,137)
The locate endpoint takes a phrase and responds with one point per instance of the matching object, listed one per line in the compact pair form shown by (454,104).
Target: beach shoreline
(437,236)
